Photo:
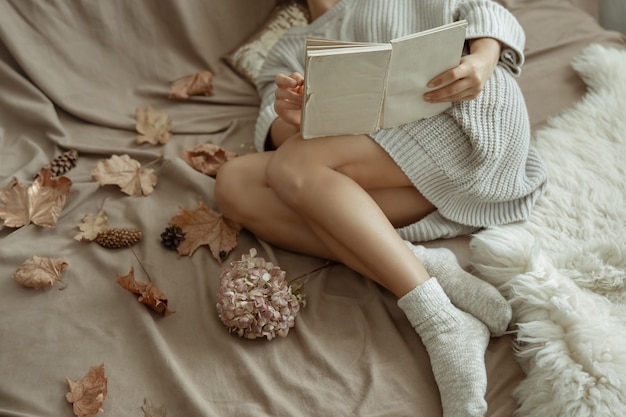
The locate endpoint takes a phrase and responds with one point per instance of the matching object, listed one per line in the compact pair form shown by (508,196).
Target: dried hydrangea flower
(255,299)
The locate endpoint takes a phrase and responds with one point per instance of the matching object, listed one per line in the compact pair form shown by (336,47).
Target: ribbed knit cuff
(267,115)
(434,226)
(489,19)
(424,302)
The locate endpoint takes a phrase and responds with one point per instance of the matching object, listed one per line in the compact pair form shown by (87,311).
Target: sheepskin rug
(564,271)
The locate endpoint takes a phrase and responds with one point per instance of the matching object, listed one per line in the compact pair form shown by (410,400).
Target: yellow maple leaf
(152,125)
(41,203)
(206,227)
(127,173)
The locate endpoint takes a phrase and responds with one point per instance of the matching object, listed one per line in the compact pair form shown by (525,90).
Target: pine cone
(172,236)
(114,238)
(63,163)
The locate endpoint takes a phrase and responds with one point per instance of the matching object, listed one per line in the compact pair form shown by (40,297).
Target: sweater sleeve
(486,18)
(280,60)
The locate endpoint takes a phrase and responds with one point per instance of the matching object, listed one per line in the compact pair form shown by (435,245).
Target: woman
(355,199)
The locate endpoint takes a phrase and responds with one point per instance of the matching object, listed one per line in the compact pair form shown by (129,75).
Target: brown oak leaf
(153,126)
(38,272)
(92,225)
(200,83)
(147,293)
(41,203)
(206,227)
(149,410)
(127,173)
(208,158)
(88,394)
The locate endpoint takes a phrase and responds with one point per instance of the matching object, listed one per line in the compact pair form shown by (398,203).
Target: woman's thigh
(365,162)
(359,157)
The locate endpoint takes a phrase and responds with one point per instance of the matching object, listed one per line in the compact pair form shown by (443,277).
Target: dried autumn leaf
(149,410)
(208,158)
(152,125)
(147,293)
(41,203)
(92,225)
(87,395)
(38,272)
(127,173)
(206,227)
(200,83)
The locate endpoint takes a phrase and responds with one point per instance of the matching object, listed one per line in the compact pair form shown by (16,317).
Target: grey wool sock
(466,291)
(456,343)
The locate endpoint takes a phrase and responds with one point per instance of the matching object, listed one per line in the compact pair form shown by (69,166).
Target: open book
(359,88)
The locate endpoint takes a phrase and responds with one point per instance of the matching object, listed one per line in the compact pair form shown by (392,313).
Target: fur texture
(564,271)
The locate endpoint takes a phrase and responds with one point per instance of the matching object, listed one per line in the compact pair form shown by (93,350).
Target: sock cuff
(415,248)
(424,301)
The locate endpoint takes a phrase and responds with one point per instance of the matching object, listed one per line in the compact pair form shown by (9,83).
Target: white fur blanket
(564,271)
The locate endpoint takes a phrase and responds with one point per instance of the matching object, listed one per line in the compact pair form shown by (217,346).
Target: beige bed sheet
(71,76)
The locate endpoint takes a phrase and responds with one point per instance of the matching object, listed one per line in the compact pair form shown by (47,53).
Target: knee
(229,183)
(286,177)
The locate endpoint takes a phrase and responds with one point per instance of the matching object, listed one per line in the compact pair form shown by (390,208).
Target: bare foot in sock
(456,343)
(466,291)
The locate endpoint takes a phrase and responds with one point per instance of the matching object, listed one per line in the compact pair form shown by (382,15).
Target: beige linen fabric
(71,76)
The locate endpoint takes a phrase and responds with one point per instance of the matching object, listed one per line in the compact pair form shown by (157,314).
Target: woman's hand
(288,98)
(467,80)
(288,106)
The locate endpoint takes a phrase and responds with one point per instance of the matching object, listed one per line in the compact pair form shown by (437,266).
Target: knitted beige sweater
(474,162)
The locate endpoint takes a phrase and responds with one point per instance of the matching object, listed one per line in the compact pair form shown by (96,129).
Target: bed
(78,76)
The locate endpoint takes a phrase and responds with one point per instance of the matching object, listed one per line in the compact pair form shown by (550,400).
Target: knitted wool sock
(456,343)
(466,291)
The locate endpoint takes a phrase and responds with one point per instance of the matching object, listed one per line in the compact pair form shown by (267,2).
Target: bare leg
(341,217)
(244,196)
(318,180)
(317,195)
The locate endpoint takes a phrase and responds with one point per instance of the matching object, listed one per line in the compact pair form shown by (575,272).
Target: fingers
(464,89)
(288,97)
(447,77)
(289,81)
(289,111)
(298,77)
(463,82)
(289,87)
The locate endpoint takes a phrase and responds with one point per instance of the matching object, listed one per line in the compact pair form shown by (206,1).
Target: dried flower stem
(141,265)
(156,161)
(306,274)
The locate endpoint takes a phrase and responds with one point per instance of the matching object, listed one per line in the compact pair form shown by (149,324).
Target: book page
(343,90)
(416,59)
(314,43)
